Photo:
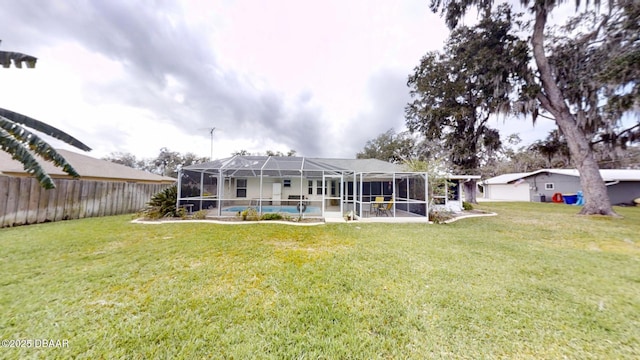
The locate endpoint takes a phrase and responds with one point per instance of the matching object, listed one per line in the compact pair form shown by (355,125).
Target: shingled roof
(88,167)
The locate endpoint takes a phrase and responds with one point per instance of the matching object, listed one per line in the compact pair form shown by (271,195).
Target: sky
(319,77)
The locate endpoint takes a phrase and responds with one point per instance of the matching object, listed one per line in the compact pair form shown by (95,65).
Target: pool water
(275,209)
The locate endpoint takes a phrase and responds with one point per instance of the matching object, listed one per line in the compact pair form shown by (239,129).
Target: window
(319,190)
(549,186)
(310,187)
(241,188)
(286,183)
(376,188)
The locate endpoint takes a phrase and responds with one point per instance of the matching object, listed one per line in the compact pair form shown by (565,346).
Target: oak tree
(455,92)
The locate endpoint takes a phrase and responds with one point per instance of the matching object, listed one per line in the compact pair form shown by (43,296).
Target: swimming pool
(274,209)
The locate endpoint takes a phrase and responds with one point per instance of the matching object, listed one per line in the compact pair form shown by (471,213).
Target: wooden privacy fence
(23,201)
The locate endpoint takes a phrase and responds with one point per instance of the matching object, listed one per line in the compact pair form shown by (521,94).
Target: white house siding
(507,192)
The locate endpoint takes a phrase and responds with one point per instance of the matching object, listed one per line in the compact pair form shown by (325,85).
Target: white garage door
(509,192)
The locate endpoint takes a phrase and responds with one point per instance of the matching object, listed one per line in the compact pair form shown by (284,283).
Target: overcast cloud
(318,77)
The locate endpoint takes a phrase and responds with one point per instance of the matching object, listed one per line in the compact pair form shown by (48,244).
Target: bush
(250,214)
(271,216)
(163,204)
(467,206)
(439,216)
(200,215)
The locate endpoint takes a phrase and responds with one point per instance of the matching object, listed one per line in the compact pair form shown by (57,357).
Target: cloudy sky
(320,77)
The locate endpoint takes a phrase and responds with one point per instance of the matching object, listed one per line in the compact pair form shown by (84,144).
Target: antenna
(211,130)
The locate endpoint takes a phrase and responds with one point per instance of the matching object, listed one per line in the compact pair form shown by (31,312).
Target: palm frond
(43,128)
(18,151)
(18,59)
(16,141)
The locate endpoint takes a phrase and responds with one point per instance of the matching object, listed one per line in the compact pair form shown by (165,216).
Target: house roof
(607,175)
(505,178)
(282,166)
(87,166)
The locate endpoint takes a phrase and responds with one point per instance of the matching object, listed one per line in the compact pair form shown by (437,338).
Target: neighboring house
(623,186)
(304,187)
(104,188)
(506,187)
(88,167)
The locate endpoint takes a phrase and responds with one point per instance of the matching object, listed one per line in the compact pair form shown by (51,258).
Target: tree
(280,153)
(126,159)
(568,107)
(22,144)
(167,163)
(389,146)
(456,92)
(597,73)
(555,144)
(191,159)
(243,152)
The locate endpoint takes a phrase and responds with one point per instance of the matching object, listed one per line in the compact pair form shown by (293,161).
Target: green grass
(535,282)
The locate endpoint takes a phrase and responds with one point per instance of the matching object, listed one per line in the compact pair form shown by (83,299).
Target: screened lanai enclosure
(302,187)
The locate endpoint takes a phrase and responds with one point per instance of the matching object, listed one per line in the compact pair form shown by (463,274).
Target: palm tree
(23,144)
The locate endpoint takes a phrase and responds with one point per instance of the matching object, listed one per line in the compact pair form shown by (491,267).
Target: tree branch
(617,135)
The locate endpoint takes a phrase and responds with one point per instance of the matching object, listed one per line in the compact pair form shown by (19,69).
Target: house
(303,186)
(623,186)
(506,188)
(104,188)
(88,167)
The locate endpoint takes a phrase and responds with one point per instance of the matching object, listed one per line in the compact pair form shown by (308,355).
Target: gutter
(612,183)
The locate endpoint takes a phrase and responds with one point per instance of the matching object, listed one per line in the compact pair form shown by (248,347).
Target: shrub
(271,216)
(250,214)
(163,204)
(200,215)
(439,216)
(181,213)
(467,206)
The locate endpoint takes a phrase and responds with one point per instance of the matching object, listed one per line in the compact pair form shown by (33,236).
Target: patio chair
(386,209)
(377,205)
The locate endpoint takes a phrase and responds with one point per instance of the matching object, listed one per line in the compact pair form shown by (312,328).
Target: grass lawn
(535,282)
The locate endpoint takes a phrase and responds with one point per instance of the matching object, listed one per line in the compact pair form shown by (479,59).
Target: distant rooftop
(607,175)
(88,167)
